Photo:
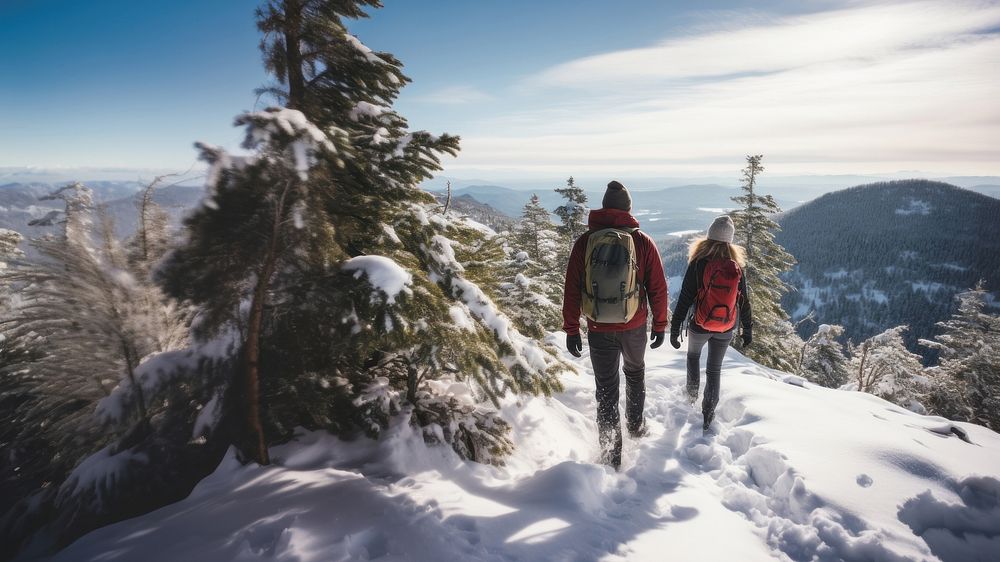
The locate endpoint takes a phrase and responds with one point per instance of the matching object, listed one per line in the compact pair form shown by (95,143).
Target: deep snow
(789,471)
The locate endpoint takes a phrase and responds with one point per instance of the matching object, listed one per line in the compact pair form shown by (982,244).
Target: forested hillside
(880,255)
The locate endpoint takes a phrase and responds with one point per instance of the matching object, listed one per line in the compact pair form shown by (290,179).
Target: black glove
(657,340)
(675,340)
(747,338)
(574,344)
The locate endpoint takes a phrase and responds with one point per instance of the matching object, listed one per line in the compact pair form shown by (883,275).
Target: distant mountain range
(870,257)
(789,190)
(480,212)
(20,204)
(660,212)
(875,256)
(682,207)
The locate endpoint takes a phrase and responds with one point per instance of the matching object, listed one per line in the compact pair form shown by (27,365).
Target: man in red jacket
(609,343)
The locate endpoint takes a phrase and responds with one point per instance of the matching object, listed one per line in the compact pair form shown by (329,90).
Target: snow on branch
(525,354)
(159,370)
(363,49)
(219,161)
(279,126)
(367,109)
(384,274)
(100,473)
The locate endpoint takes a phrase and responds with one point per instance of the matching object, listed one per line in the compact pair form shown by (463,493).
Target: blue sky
(642,87)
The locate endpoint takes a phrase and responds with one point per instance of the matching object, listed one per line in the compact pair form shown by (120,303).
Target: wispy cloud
(455,95)
(868,88)
(860,34)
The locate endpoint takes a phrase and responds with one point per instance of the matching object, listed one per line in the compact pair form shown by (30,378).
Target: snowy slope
(791,471)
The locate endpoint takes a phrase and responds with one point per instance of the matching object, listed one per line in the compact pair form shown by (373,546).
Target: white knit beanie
(722,229)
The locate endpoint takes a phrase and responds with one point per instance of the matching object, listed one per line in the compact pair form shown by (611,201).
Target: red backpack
(715,309)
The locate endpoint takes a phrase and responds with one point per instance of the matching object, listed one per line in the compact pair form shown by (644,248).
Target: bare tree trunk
(252,358)
(147,199)
(750,211)
(254,329)
(802,356)
(447,201)
(861,367)
(130,365)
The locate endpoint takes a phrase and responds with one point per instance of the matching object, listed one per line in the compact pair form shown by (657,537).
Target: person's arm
(657,293)
(746,315)
(572,290)
(689,291)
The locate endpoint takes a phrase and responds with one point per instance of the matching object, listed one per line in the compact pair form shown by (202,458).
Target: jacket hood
(611,218)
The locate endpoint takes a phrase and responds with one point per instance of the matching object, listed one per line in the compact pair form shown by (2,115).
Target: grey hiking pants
(606,350)
(717,344)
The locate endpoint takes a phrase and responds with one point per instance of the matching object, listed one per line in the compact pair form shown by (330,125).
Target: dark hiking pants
(717,344)
(607,349)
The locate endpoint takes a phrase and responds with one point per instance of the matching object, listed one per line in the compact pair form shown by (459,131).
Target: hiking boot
(611,450)
(692,395)
(640,431)
(612,458)
(709,416)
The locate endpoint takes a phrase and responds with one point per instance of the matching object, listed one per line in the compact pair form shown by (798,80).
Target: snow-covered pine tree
(93,319)
(965,385)
(572,216)
(524,298)
(346,289)
(18,475)
(532,288)
(10,251)
(823,360)
(881,365)
(78,330)
(775,343)
(536,235)
(54,315)
(152,236)
(9,246)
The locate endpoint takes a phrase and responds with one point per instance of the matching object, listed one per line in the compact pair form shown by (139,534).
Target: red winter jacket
(652,283)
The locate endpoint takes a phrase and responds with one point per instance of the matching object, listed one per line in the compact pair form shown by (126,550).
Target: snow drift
(790,471)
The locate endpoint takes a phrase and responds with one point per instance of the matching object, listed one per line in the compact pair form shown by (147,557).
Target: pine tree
(352,298)
(73,343)
(882,366)
(536,235)
(965,385)
(524,295)
(152,237)
(572,216)
(533,281)
(10,254)
(775,343)
(9,242)
(823,360)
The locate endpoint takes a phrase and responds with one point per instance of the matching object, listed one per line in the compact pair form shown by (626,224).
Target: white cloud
(860,34)
(876,88)
(456,95)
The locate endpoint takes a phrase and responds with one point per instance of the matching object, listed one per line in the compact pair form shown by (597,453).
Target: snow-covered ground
(790,471)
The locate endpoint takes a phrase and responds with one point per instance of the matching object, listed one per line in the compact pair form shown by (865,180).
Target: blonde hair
(704,248)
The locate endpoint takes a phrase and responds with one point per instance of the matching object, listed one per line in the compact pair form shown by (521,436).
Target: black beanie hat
(617,197)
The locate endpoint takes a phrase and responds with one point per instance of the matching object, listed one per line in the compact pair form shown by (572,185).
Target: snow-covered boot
(641,431)
(611,449)
(709,416)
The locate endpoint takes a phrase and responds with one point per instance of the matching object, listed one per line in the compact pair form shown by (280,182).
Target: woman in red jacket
(717,256)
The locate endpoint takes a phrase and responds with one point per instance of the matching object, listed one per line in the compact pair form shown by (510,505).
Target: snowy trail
(790,471)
